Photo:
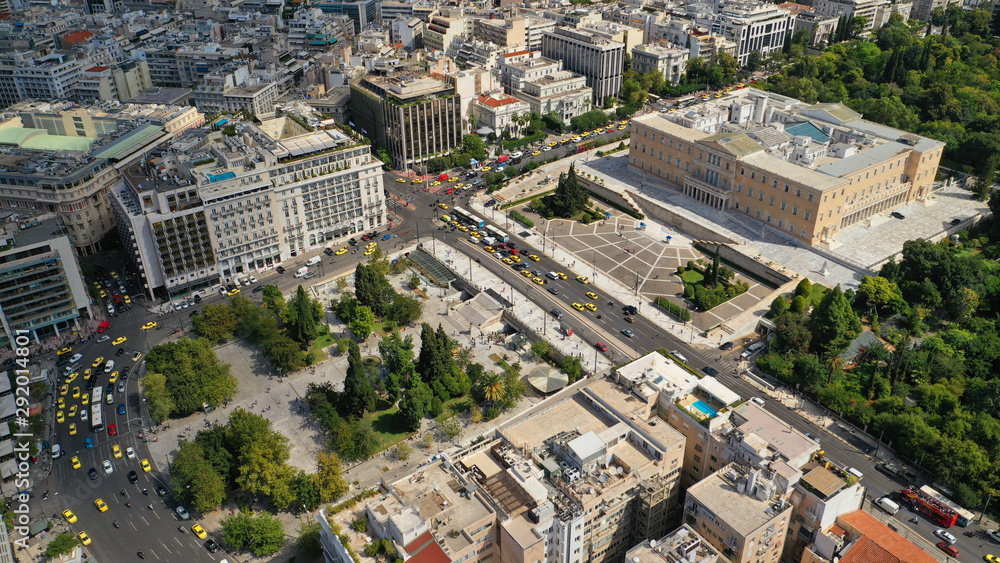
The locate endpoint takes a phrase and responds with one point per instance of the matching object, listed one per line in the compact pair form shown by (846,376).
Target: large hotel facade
(808,170)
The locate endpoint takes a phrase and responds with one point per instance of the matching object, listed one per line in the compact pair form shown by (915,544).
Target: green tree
(804,288)
(261,461)
(274,300)
(570,197)
(754,61)
(799,304)
(196,481)
(983,187)
(397,355)
(358,396)
(880,293)
(61,545)
(329,477)
(310,539)
(412,408)
(779,306)
(215,322)
(540,348)
(158,400)
(833,324)
(405,309)
(363,322)
(304,313)
(262,533)
(194,375)
(355,440)
(403,451)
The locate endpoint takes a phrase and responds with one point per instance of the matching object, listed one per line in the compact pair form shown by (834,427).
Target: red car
(112,429)
(450,191)
(601,346)
(948,548)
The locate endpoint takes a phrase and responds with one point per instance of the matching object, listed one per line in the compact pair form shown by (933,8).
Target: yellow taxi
(475,234)
(76,392)
(72,377)
(508,261)
(97,362)
(149,325)
(463,228)
(61,402)
(116,450)
(342,251)
(526,273)
(453,179)
(103,295)
(64,390)
(234,291)
(622,127)
(65,350)
(488,249)
(72,429)
(536,153)
(553,144)
(561,275)
(487,168)
(119,340)
(85,399)
(75,460)
(577,306)
(592,295)
(87,373)
(371,244)
(590,306)
(416,181)
(435,183)
(114,275)
(516,258)
(534,257)
(199,531)
(582,279)
(145,465)
(401,180)
(69,516)
(113,378)
(72,411)
(539,281)
(60,417)
(369,252)
(128,300)
(623,122)
(443,205)
(84,538)
(101,505)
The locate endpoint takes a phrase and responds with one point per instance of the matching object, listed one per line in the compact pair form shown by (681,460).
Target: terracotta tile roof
(867,551)
(74,37)
(425,549)
(518,53)
(98,69)
(894,544)
(497,100)
(837,531)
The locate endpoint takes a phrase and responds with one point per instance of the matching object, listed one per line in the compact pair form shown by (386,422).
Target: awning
(547,380)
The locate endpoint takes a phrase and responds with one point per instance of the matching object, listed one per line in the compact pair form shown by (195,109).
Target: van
(70,369)
(887,505)
(56,451)
(552,275)
(757,401)
(518,154)
(301,272)
(315,260)
(752,349)
(678,355)
(855,472)
(489,241)
(109,399)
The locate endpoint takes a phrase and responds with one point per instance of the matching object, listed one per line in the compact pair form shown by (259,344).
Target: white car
(130,452)
(83,415)
(946,536)
(104,338)
(995,534)
(183,513)
(253,279)
(108,367)
(222,291)
(108,468)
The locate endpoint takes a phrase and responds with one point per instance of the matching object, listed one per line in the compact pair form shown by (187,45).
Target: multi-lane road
(842,444)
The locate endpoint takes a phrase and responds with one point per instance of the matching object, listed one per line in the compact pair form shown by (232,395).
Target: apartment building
(180,63)
(440,32)
(867,9)
(824,493)
(670,61)
(102,83)
(859,538)
(213,206)
(408,32)
(544,85)
(820,27)
(415,116)
(807,170)
(364,13)
(599,59)
(49,77)
(509,32)
(497,111)
(310,30)
(752,25)
(738,509)
(683,544)
(233,89)
(41,289)
(389,10)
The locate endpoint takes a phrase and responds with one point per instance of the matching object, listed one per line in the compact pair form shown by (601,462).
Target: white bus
(96,415)
(497,234)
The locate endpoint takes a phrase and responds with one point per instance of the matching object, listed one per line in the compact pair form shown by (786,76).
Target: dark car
(133,477)
(110,388)
(709,370)
(726,346)
(211,546)
(630,310)
(121,408)
(280,270)
(92,473)
(557,313)
(197,298)
(352,241)
(125,372)
(119,352)
(258,289)
(554,290)
(328,251)
(897,215)
(511,245)
(160,490)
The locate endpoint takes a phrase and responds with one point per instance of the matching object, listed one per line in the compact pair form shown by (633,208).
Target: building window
(781,223)
(768,218)
(771,200)
(810,198)
(783,205)
(739,189)
(763,178)
(757,214)
(750,191)
(791,228)
(742,171)
(803,233)
(807,214)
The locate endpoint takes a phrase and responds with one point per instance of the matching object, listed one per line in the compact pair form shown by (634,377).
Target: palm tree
(473,120)
(833,363)
(493,386)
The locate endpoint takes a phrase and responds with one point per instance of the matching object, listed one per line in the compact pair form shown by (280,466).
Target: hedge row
(522,219)
(671,308)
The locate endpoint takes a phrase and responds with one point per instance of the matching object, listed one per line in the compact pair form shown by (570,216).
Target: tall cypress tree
(358,396)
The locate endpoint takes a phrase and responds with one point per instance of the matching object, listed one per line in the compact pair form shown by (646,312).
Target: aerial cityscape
(565,281)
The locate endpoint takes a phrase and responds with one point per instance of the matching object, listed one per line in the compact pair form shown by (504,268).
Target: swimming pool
(703,407)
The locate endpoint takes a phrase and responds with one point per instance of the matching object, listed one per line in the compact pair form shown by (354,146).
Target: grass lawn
(318,345)
(454,406)
(383,421)
(692,276)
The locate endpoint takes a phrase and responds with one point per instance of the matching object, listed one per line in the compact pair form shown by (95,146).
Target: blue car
(89,442)
(121,408)
(387,237)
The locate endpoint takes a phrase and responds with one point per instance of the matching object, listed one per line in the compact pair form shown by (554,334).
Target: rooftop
(720,494)
(879,537)
(683,544)
(751,419)
(823,482)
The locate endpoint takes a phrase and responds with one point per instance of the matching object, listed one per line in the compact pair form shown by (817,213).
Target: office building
(408,32)
(311,31)
(102,83)
(51,77)
(807,170)
(364,13)
(753,26)
(41,289)
(215,205)
(415,116)
(598,59)
(497,111)
(739,510)
(824,493)
(670,61)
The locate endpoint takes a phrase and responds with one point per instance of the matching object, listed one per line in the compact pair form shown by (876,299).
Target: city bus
(964,516)
(476,222)
(96,416)
(460,214)
(498,234)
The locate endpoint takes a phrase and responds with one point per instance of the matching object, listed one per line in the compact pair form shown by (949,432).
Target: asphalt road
(154,531)
(842,444)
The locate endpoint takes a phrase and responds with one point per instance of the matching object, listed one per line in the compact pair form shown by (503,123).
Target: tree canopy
(192,376)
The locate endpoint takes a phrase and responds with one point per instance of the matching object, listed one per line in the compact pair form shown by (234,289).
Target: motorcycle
(915,520)
(182,529)
(117,525)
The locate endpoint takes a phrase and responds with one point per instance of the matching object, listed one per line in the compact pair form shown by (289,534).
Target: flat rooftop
(749,418)
(677,546)
(569,414)
(742,513)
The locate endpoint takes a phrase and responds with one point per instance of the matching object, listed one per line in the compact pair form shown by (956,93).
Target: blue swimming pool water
(703,407)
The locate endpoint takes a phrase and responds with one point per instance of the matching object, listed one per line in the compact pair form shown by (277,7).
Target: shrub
(522,219)
(677,311)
